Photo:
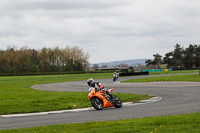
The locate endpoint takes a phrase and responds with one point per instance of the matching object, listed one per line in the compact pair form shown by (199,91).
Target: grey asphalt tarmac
(177,98)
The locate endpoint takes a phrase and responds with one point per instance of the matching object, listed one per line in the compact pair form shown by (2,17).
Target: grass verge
(16,96)
(187,123)
(189,78)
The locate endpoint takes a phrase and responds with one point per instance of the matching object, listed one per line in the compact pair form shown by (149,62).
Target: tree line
(180,57)
(55,59)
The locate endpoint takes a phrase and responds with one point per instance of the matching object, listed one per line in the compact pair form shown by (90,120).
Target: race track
(177,98)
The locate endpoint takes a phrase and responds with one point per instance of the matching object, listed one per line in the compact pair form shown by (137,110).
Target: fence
(157,70)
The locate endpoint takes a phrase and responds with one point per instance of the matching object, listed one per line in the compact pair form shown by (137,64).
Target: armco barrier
(157,70)
(133,73)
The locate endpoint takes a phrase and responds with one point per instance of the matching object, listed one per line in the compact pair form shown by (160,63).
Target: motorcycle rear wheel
(97,103)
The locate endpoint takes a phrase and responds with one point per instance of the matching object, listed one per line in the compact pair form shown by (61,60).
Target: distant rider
(116,73)
(93,83)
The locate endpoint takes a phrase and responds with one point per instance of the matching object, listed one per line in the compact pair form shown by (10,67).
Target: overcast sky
(109,30)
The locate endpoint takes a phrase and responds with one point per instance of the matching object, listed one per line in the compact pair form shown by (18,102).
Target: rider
(93,83)
(116,73)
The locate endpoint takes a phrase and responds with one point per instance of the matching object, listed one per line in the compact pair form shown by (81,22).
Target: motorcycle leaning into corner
(99,99)
(115,76)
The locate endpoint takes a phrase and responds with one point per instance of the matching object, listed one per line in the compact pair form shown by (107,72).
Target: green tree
(168,59)
(34,60)
(157,60)
(197,55)
(23,60)
(2,63)
(189,57)
(10,56)
(44,60)
(177,56)
(150,63)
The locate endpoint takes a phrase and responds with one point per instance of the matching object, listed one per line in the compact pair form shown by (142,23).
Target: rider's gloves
(101,86)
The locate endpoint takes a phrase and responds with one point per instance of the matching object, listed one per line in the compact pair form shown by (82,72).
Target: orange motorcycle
(99,99)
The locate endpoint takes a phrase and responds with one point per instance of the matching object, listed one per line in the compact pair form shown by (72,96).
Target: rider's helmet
(91,82)
(116,71)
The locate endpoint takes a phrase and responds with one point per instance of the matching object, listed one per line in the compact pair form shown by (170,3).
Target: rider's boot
(111,96)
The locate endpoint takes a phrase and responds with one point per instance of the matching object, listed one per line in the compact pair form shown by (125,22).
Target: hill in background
(133,62)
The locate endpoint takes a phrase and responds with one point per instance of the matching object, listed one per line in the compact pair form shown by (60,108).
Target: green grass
(190,77)
(16,96)
(15,91)
(187,123)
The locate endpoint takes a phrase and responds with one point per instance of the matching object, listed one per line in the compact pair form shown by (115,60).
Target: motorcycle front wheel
(117,102)
(97,103)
